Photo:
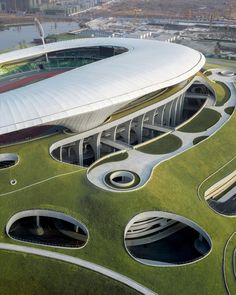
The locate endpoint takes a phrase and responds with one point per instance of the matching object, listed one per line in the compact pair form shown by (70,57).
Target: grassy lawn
(213,63)
(217,60)
(204,120)
(53,278)
(64,37)
(210,66)
(164,145)
(43,165)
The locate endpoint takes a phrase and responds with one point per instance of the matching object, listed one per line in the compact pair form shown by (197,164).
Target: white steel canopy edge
(103,86)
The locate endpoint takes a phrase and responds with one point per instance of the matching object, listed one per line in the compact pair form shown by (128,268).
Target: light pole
(41,34)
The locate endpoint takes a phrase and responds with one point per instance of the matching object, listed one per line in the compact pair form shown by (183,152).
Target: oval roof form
(147,66)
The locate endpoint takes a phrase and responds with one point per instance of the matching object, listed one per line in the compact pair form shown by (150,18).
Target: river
(11,37)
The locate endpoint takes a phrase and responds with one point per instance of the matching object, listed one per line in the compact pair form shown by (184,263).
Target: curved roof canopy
(147,66)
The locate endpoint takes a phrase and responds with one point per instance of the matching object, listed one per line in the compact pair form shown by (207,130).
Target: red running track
(25,81)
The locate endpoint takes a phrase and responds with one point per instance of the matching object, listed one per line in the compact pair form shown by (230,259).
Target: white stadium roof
(105,85)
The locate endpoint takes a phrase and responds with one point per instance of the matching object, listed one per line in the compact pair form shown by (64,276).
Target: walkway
(116,144)
(143,164)
(231,193)
(80,262)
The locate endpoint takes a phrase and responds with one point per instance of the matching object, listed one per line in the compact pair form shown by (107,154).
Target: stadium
(117,168)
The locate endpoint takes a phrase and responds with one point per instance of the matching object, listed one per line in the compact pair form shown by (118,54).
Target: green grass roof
(46,183)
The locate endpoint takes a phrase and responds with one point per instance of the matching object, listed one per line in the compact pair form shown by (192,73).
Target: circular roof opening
(165,239)
(13,182)
(8,160)
(227,73)
(46,227)
(122,179)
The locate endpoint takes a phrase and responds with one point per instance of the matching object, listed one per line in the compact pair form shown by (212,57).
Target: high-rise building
(2,5)
(23,5)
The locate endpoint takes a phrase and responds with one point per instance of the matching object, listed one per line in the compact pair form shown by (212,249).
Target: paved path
(143,164)
(231,193)
(80,262)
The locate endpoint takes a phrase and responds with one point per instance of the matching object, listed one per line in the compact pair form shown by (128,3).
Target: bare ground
(171,8)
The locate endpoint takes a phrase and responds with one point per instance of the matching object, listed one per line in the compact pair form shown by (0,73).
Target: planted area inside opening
(159,241)
(199,139)
(203,121)
(164,145)
(49,231)
(229,110)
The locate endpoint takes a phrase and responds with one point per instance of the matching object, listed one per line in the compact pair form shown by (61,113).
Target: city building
(23,5)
